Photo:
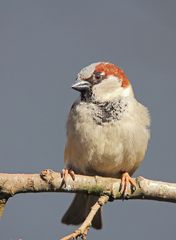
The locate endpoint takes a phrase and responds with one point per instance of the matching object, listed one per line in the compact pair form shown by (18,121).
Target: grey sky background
(43,44)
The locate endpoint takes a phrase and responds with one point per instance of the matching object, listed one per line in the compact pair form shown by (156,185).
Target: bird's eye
(98,76)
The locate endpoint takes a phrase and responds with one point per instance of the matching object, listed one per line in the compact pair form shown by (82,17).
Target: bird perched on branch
(107,133)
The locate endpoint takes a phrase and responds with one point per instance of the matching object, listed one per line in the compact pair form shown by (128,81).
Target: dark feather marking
(108,111)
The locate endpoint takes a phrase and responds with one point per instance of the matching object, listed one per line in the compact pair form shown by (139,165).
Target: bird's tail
(80,208)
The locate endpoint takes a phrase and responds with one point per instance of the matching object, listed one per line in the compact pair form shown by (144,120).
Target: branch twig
(84,228)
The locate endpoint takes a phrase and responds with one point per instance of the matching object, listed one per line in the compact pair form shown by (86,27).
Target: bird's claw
(126,182)
(66,172)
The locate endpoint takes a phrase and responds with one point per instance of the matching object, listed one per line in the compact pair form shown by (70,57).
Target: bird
(107,134)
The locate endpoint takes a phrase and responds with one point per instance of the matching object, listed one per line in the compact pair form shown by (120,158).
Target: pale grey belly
(106,151)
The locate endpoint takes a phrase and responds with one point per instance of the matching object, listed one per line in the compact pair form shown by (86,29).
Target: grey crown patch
(104,112)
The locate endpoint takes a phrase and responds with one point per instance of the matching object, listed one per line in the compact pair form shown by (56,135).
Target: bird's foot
(66,172)
(126,182)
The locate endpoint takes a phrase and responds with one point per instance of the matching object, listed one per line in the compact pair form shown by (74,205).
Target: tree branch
(85,226)
(50,181)
(106,188)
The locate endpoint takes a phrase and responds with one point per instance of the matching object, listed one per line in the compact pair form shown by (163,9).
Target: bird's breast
(102,140)
(103,112)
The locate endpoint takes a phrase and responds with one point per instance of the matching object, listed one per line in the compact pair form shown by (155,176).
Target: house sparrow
(107,133)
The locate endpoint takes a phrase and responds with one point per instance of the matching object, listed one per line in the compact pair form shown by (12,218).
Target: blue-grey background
(43,44)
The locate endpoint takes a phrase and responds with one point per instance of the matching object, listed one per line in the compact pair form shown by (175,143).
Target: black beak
(81,86)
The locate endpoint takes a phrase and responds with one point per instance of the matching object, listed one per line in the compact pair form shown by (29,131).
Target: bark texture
(106,188)
(50,181)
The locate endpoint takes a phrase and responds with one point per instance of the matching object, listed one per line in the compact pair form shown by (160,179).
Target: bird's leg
(67,171)
(126,181)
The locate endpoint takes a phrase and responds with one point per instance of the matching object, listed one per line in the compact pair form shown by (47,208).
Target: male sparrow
(107,133)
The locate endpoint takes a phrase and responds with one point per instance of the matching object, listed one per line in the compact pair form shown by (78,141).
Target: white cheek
(111,88)
(120,91)
(107,89)
(127,91)
(114,81)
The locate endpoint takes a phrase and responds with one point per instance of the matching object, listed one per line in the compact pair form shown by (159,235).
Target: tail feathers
(79,209)
(76,212)
(97,220)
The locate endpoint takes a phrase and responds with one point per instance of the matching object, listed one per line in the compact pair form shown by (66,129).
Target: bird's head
(103,81)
